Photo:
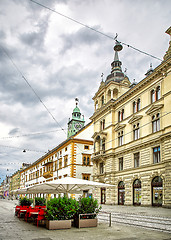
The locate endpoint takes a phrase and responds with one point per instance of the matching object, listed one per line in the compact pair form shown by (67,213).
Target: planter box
(85,223)
(58,224)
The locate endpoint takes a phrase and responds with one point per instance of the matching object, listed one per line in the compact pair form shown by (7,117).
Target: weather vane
(118,47)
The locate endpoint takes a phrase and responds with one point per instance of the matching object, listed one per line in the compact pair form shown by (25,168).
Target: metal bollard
(110,219)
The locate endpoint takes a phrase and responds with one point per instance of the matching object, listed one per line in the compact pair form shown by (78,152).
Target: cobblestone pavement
(11,228)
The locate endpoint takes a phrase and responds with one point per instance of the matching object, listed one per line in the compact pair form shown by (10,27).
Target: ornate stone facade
(132,137)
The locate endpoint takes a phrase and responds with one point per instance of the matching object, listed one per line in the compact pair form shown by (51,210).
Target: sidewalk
(11,228)
(148,211)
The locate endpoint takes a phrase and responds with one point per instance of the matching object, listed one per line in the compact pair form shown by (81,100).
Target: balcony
(98,155)
(48,174)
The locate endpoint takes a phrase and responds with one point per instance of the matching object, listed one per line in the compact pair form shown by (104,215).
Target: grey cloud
(14,131)
(36,38)
(81,37)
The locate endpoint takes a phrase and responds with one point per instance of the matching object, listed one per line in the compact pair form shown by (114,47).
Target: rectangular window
(103,145)
(120,138)
(134,107)
(156,154)
(136,159)
(86,147)
(136,133)
(55,165)
(86,159)
(101,168)
(121,164)
(66,161)
(156,123)
(60,163)
(86,176)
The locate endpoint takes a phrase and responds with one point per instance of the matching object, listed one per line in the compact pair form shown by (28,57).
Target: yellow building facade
(132,136)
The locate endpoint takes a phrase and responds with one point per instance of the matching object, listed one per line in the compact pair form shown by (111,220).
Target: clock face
(78,126)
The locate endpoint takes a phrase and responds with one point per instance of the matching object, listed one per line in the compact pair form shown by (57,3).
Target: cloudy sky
(47,57)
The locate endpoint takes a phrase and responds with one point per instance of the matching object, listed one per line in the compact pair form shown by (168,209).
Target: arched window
(152,96)
(156,123)
(136,131)
(96,105)
(134,107)
(122,117)
(157,191)
(119,116)
(158,93)
(103,145)
(138,105)
(102,100)
(103,124)
(121,193)
(137,192)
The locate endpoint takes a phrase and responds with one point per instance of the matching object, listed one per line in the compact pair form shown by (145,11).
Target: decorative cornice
(154,108)
(119,127)
(135,118)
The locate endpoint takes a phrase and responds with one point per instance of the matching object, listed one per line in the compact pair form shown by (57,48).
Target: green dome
(76,110)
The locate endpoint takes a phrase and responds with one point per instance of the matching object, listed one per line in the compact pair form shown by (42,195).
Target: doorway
(137,192)
(157,191)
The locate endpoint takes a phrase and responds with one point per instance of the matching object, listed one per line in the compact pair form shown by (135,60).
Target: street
(13,228)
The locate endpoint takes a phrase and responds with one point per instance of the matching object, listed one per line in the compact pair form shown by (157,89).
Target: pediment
(154,108)
(135,118)
(95,135)
(100,134)
(119,127)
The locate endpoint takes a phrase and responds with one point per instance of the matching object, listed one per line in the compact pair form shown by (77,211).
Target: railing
(105,216)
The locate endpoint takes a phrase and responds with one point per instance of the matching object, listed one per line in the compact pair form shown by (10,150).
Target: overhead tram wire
(31,88)
(30,134)
(19,148)
(95,30)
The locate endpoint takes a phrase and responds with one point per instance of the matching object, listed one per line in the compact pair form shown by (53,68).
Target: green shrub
(40,201)
(25,201)
(88,205)
(61,208)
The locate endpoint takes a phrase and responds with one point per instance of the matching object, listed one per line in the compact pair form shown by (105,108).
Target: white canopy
(66,185)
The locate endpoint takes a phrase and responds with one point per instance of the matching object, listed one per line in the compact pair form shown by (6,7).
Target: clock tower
(77,121)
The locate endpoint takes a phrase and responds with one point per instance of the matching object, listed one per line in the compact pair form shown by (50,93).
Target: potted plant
(25,201)
(86,216)
(40,201)
(60,211)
